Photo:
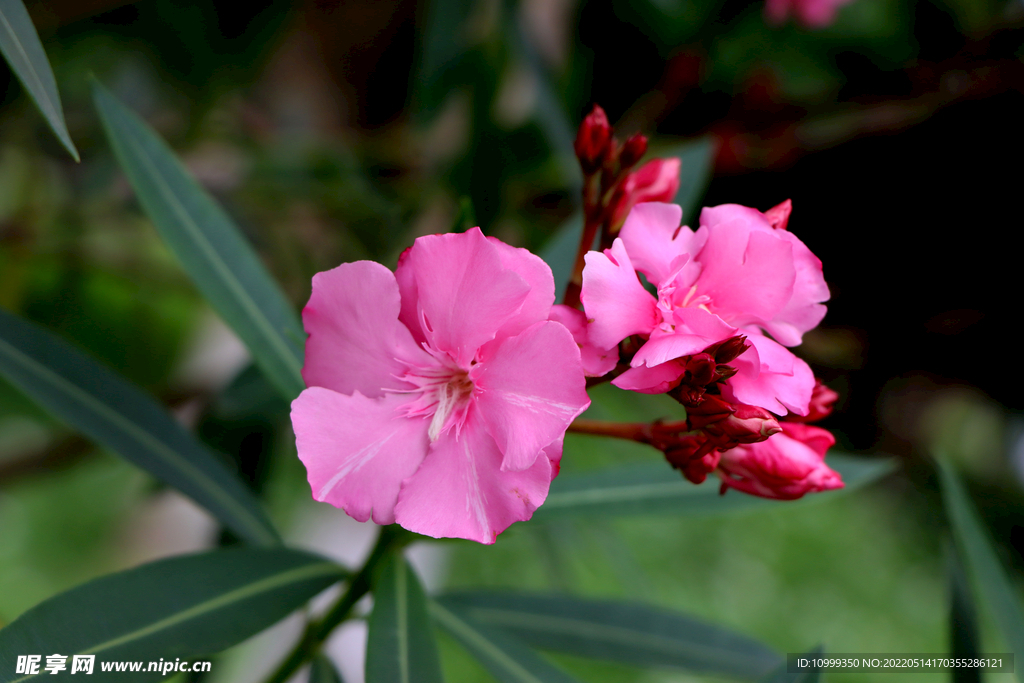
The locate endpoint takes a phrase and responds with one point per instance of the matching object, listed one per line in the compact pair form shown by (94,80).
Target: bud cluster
(611,188)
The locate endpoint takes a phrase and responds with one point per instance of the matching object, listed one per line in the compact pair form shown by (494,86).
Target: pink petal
(817,439)
(357,450)
(616,303)
(597,362)
(554,453)
(537,275)
(695,330)
(461,491)
(465,295)
(529,388)
(771,377)
(650,380)
(409,314)
(654,239)
(713,216)
(748,273)
(356,342)
(804,310)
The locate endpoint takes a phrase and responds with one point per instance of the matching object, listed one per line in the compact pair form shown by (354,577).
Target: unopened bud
(730,349)
(700,369)
(633,150)
(592,139)
(728,425)
(778,216)
(711,410)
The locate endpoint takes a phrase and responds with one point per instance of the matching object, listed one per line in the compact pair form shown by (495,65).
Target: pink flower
(655,181)
(735,275)
(596,362)
(438,395)
(786,466)
(810,13)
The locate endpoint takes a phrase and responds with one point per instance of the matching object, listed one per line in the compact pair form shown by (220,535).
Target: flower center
(444,394)
(670,298)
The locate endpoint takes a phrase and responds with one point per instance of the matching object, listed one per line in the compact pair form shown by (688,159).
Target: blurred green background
(340,130)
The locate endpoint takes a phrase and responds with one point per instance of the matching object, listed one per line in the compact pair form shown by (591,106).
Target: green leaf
(698,158)
(184,607)
(963,620)
(508,659)
(118,415)
(655,488)
(211,249)
(322,670)
(782,674)
(20,46)
(627,632)
(979,555)
(401,646)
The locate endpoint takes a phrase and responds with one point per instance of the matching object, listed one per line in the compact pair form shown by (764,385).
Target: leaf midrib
(52,111)
(536,621)
(455,624)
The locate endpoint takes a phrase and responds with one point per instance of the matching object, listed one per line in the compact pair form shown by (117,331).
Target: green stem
(391,538)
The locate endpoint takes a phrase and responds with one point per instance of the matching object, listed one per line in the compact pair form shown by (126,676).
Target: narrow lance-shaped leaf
(20,46)
(980,556)
(400,647)
(655,488)
(507,658)
(963,620)
(209,246)
(184,607)
(627,632)
(118,415)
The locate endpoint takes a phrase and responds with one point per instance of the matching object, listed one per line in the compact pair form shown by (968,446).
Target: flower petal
(695,330)
(460,490)
(650,380)
(356,342)
(537,275)
(597,362)
(615,301)
(530,387)
(357,450)
(804,310)
(748,273)
(773,379)
(465,295)
(654,239)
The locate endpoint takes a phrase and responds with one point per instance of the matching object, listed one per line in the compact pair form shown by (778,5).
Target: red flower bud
(701,369)
(694,456)
(728,350)
(778,216)
(655,181)
(592,139)
(713,409)
(633,151)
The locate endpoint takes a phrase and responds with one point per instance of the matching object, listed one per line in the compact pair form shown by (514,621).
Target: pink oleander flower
(439,394)
(785,466)
(737,274)
(810,13)
(655,181)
